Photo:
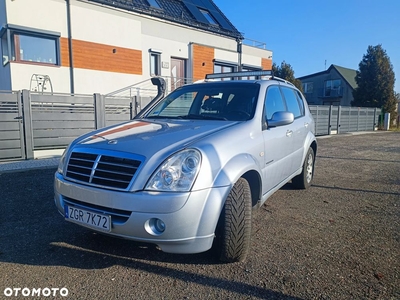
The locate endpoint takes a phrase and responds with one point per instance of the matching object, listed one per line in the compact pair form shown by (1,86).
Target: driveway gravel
(337,240)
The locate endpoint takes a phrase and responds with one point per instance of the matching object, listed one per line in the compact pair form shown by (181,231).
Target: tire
(303,180)
(233,233)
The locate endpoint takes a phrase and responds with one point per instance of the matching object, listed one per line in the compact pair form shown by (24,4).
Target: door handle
(289,133)
(305,125)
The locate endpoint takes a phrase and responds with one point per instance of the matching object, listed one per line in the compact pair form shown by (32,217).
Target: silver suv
(188,170)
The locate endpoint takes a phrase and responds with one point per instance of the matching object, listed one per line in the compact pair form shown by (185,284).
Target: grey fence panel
(321,118)
(59,119)
(11,128)
(118,109)
(344,119)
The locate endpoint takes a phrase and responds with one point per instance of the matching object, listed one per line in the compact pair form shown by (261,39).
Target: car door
(299,127)
(278,142)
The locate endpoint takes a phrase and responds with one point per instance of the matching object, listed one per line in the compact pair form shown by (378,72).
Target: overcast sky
(307,33)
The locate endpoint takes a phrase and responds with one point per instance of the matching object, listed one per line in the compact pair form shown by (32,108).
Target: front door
(278,143)
(177,72)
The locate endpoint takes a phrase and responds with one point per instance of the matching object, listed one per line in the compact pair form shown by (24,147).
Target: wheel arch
(254,180)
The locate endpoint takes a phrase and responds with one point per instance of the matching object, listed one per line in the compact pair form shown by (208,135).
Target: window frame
(224,64)
(10,40)
(157,62)
(308,87)
(332,87)
(208,16)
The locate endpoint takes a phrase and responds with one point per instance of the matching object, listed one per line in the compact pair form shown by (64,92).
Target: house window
(221,68)
(30,47)
(155,63)
(308,87)
(154,4)
(248,69)
(4,49)
(332,88)
(208,16)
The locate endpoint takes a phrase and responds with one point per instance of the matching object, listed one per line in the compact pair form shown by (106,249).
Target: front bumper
(190,218)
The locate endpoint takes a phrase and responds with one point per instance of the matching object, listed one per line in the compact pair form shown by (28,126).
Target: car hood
(147,137)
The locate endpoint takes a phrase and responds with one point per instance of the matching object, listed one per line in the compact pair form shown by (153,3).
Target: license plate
(88,218)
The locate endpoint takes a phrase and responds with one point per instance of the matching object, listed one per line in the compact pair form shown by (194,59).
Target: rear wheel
(233,233)
(303,180)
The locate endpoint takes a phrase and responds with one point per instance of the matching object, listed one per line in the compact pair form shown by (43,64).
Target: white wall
(48,15)
(105,25)
(102,25)
(21,75)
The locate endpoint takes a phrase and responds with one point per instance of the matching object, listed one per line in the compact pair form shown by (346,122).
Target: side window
(292,102)
(301,102)
(273,102)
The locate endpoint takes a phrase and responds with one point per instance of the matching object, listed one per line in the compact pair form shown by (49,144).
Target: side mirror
(281,118)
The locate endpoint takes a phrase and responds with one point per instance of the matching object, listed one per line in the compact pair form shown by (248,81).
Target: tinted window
(300,98)
(273,102)
(292,102)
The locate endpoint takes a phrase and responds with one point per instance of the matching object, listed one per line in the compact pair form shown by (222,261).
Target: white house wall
(39,14)
(96,27)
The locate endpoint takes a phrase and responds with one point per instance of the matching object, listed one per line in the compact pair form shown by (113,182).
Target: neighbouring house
(333,86)
(77,46)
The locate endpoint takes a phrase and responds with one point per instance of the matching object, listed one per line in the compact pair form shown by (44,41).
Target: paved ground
(338,240)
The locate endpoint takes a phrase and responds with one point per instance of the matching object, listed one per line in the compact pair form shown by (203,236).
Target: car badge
(112,142)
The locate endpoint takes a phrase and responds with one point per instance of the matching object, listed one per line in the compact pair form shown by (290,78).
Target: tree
(375,79)
(286,72)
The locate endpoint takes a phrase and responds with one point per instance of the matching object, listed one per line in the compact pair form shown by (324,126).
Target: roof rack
(269,73)
(240,74)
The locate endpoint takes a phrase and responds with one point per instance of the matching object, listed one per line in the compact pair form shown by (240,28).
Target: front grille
(102,170)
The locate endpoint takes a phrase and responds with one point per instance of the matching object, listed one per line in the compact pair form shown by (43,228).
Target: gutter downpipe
(71,61)
(239,42)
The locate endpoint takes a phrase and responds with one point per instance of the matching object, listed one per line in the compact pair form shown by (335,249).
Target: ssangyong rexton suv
(188,170)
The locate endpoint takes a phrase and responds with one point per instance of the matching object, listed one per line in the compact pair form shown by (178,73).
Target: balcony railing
(331,93)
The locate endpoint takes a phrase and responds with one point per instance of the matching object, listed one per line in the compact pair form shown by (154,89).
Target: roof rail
(240,74)
(282,80)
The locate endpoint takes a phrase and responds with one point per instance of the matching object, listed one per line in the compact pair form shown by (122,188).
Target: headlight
(60,168)
(177,173)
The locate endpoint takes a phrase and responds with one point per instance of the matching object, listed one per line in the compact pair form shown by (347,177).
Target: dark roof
(187,12)
(348,74)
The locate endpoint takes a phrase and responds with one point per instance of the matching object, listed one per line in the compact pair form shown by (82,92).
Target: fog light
(155,226)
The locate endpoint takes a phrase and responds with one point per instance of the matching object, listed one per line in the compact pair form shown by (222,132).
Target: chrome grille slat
(102,170)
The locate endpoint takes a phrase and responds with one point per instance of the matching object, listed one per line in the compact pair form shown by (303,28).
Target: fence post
(99,111)
(329,120)
(374,125)
(339,112)
(27,123)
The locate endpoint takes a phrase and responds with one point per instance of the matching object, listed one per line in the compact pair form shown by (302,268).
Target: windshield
(218,101)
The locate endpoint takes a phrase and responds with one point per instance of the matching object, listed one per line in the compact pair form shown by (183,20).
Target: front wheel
(303,180)
(233,233)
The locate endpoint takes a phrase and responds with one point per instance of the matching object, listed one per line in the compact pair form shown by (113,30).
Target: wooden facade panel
(94,56)
(64,52)
(101,57)
(266,64)
(202,61)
